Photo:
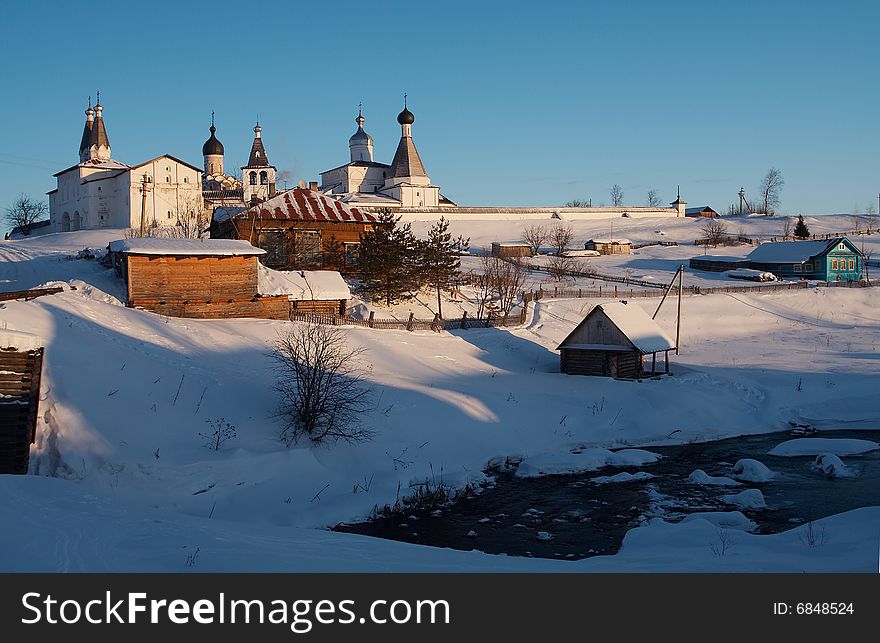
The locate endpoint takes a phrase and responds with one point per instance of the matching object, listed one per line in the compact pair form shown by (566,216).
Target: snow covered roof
(17,339)
(224,213)
(300,204)
(644,333)
(100,164)
(186,247)
(790,251)
(697,210)
(510,244)
(309,285)
(609,241)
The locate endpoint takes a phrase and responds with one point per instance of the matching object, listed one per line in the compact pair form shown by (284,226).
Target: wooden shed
(718,263)
(511,250)
(613,341)
(609,246)
(205,278)
(319,292)
(700,211)
(299,229)
(21,367)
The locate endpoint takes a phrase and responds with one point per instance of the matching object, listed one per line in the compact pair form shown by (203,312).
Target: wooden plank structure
(194,278)
(298,229)
(511,250)
(613,341)
(20,374)
(611,246)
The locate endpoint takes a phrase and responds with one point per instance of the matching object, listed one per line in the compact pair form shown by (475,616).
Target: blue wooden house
(834,259)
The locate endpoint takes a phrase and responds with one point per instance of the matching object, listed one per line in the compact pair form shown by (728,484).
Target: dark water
(584,518)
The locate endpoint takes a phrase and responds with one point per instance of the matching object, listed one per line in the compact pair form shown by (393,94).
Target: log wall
(153,277)
(270,307)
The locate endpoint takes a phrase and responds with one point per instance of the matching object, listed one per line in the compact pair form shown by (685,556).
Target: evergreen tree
(439,263)
(801,231)
(386,260)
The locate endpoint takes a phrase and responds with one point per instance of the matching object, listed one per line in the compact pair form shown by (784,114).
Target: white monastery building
(100,192)
(405,186)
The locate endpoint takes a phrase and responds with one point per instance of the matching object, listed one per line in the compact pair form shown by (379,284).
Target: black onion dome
(212,145)
(406,117)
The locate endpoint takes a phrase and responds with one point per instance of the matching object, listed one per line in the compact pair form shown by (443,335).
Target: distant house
(702,211)
(612,341)
(609,246)
(718,263)
(825,260)
(320,292)
(34,229)
(511,250)
(298,229)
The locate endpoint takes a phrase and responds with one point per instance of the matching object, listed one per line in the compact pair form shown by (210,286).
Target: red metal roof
(300,204)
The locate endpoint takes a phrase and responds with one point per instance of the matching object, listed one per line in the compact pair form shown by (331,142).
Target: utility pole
(144,181)
(678,320)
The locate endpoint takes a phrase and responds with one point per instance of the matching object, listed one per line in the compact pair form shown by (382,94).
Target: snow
(580,461)
(815,446)
(582,253)
(832,466)
(623,476)
(187,247)
(608,240)
(750,470)
(20,340)
(748,499)
(640,329)
(788,251)
(118,459)
(317,285)
(748,273)
(725,519)
(701,477)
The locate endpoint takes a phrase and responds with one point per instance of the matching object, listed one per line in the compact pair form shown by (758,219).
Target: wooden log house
(21,367)
(615,246)
(219,278)
(299,229)
(613,341)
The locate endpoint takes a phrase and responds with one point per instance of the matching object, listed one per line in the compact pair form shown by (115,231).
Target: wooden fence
(615,291)
(30,294)
(436,324)
(590,274)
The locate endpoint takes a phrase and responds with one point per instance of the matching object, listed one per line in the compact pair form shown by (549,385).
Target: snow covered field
(123,482)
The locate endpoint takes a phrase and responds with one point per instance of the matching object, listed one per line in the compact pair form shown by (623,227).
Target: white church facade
(100,192)
(405,187)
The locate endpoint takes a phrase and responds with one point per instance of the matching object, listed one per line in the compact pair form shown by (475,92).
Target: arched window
(253,178)
(185,180)
(167,179)
(264,178)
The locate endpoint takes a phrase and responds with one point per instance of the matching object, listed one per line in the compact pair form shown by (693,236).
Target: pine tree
(386,260)
(439,264)
(801,231)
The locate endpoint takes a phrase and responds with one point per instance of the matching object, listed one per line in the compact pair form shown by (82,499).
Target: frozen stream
(573,516)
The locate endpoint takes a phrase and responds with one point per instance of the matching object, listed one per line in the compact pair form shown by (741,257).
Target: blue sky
(515,103)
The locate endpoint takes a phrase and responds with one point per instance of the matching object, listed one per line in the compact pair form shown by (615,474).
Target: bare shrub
(322,392)
(714,232)
(220,432)
(559,266)
(560,238)
(723,542)
(535,236)
(813,535)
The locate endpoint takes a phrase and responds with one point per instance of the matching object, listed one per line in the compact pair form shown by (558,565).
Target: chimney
(313,186)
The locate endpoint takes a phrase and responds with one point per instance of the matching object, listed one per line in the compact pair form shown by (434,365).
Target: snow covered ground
(122,479)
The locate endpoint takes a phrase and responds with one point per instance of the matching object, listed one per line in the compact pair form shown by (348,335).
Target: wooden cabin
(700,211)
(609,246)
(718,263)
(298,229)
(613,340)
(835,259)
(218,278)
(21,367)
(511,250)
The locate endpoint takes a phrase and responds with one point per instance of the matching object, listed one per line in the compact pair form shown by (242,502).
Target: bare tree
(653,199)
(714,232)
(191,218)
(322,392)
(507,279)
(24,212)
(536,236)
(482,282)
(616,195)
(561,236)
(786,228)
(771,187)
(559,266)
(578,203)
